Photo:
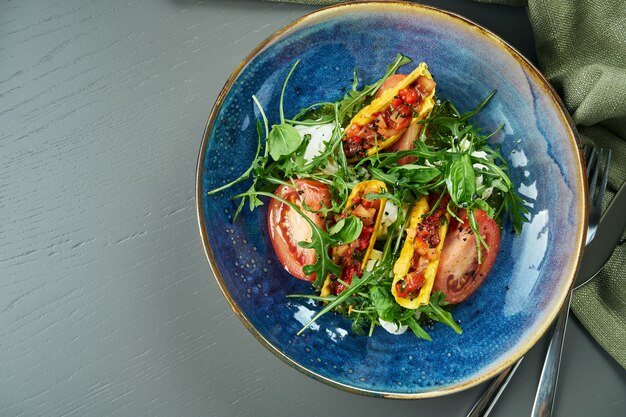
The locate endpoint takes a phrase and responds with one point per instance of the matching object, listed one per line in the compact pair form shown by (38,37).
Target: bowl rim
(324,14)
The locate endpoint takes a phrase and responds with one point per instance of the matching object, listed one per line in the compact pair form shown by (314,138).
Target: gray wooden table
(107,304)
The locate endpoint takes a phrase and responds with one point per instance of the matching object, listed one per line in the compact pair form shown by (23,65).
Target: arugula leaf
(314,112)
(354,100)
(517,211)
(435,311)
(483,205)
(357,284)
(321,242)
(480,241)
(417,329)
(478,108)
(250,169)
(356,326)
(386,177)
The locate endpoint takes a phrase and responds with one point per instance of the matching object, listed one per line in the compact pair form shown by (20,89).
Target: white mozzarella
(320,136)
(393,328)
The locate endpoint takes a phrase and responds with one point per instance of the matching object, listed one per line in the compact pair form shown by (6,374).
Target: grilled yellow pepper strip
(403,264)
(368,113)
(361,190)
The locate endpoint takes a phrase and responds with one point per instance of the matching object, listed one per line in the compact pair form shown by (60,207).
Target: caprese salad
(388,201)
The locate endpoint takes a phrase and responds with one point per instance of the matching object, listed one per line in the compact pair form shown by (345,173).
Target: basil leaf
(347,229)
(283,140)
(384,303)
(461,181)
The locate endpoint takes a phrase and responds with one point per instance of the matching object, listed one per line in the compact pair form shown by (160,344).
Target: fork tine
(586,151)
(595,205)
(594,179)
(605,178)
(589,162)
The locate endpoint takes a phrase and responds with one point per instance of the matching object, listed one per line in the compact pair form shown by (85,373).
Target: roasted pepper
(414,271)
(382,122)
(354,255)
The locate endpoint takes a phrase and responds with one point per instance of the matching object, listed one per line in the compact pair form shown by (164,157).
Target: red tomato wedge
(459,274)
(287,227)
(390,82)
(406,140)
(405,143)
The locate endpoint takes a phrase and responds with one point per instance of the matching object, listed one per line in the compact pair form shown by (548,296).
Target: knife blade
(609,232)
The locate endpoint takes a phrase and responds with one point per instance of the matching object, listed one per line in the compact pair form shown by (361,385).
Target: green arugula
(437,310)
(335,301)
(453,158)
(355,100)
(283,139)
(344,231)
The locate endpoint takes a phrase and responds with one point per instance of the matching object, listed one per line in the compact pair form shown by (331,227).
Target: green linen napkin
(581,46)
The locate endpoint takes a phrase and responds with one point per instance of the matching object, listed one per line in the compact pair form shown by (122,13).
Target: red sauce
(426,239)
(352,258)
(409,287)
(390,122)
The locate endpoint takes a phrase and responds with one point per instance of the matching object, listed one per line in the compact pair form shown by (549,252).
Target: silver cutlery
(608,235)
(546,390)
(487,400)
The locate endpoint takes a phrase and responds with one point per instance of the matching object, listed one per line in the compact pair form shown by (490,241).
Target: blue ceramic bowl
(533,271)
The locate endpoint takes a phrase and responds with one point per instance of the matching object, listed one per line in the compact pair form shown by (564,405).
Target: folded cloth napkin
(581,46)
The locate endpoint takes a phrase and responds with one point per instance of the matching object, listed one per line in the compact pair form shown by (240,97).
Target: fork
(592,160)
(544,399)
(546,390)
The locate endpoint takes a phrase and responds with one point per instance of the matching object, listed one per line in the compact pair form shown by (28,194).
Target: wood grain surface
(107,304)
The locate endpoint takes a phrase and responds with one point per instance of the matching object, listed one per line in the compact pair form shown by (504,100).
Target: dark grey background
(107,304)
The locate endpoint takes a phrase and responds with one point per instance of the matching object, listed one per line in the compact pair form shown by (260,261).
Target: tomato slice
(410,285)
(287,227)
(459,274)
(390,82)
(405,143)
(408,137)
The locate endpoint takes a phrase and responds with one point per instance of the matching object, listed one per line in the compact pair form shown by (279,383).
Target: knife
(609,232)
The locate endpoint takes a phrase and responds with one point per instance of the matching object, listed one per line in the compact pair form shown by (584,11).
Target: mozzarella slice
(375,257)
(393,328)
(320,136)
(390,214)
